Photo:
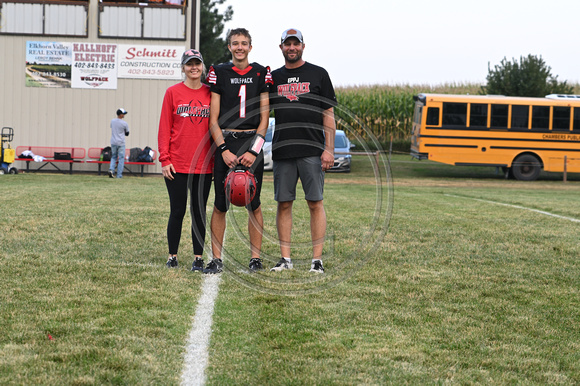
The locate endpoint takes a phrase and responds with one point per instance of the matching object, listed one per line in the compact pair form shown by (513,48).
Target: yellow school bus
(520,135)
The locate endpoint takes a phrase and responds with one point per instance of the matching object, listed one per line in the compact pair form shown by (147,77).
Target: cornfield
(387,111)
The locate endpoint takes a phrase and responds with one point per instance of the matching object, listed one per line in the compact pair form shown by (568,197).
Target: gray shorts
(287,172)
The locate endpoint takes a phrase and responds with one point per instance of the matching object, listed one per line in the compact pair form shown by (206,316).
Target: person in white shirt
(119,130)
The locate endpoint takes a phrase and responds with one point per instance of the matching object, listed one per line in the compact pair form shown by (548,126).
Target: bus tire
(526,167)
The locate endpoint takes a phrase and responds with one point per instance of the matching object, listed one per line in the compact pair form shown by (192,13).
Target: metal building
(46,109)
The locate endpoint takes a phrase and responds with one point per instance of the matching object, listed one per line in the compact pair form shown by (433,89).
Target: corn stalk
(386,110)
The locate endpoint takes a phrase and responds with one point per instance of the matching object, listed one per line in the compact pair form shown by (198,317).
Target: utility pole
(195,12)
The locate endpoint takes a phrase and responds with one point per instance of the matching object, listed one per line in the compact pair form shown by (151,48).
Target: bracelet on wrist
(223,147)
(257,143)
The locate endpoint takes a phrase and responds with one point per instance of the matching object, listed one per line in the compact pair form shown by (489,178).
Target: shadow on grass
(407,167)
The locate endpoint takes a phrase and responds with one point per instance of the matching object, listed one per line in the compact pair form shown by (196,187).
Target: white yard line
(517,207)
(197,355)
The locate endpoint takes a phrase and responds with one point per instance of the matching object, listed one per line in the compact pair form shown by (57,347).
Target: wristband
(257,144)
(223,147)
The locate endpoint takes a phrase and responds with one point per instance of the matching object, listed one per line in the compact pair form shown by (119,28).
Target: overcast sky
(362,42)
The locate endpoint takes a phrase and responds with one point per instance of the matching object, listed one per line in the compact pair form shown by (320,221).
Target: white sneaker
(282,265)
(317,266)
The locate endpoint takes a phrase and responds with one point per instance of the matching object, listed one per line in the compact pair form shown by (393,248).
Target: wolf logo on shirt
(192,111)
(293,90)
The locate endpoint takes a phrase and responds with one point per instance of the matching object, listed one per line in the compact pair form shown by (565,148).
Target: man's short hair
(238,31)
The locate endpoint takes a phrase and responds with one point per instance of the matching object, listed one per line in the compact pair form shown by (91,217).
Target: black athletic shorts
(238,143)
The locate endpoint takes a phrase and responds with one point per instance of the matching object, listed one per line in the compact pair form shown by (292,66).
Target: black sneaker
(214,266)
(197,265)
(111,175)
(171,262)
(256,264)
(317,266)
(282,265)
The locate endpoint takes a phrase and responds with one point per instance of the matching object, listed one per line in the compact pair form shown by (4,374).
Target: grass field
(461,289)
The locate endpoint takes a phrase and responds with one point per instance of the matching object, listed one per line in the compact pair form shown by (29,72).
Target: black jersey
(298,97)
(240,94)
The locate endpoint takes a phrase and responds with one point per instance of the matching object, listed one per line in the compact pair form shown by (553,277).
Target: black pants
(199,186)
(238,144)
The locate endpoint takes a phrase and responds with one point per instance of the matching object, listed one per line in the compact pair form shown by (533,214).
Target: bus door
(426,116)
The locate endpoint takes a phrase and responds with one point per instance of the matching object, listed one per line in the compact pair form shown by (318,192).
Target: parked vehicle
(342,146)
(523,136)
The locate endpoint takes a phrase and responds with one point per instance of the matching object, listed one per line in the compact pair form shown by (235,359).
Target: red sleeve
(165,125)
(213,81)
(268,79)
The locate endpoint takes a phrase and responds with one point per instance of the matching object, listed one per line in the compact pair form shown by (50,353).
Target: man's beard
(295,59)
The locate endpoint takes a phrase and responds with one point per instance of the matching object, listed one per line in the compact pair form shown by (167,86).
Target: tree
(211,27)
(531,77)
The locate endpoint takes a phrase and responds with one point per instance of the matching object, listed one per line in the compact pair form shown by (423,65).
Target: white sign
(149,62)
(94,65)
(48,64)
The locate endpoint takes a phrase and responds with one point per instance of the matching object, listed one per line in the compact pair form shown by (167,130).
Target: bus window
(561,120)
(478,115)
(433,116)
(576,119)
(499,116)
(455,114)
(520,115)
(540,117)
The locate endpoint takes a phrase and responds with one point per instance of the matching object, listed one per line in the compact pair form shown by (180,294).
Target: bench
(95,158)
(77,155)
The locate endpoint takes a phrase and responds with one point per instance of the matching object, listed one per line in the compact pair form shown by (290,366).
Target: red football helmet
(240,187)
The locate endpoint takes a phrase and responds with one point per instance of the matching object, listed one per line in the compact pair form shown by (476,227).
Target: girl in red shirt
(186,155)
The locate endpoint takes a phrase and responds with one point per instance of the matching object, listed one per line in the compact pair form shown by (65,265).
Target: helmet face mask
(240,187)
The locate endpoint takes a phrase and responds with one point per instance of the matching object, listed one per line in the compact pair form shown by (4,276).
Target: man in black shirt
(303,100)
(238,122)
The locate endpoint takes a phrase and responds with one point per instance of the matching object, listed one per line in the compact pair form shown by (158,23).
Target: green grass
(458,290)
(82,260)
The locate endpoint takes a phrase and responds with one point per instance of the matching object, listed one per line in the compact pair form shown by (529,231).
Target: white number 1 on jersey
(242,95)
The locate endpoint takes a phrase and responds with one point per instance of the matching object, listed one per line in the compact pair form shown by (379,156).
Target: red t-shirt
(184,139)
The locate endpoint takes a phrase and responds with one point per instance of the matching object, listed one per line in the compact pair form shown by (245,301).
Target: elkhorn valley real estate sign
(98,65)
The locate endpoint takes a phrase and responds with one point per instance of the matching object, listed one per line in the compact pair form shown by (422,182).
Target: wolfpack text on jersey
(240,93)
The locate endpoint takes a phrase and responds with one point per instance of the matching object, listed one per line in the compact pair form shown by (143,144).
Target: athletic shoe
(171,262)
(282,265)
(197,265)
(214,266)
(111,174)
(256,264)
(317,266)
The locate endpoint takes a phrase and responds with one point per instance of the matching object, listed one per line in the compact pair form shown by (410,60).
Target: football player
(238,122)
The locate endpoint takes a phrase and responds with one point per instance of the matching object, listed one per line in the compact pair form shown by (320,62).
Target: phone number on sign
(55,74)
(138,71)
(109,66)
